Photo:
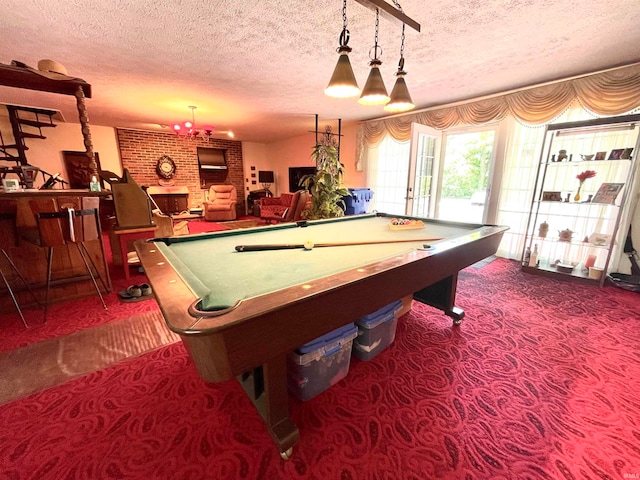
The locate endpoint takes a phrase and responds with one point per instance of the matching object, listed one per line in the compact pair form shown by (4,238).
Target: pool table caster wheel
(457,314)
(286,455)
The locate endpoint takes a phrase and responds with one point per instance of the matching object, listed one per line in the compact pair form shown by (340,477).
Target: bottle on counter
(94,185)
(533,261)
(527,256)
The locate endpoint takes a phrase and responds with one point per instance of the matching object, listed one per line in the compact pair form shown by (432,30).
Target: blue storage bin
(321,363)
(376,331)
(358,201)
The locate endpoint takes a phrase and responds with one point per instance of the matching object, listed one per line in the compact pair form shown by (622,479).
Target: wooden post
(86,132)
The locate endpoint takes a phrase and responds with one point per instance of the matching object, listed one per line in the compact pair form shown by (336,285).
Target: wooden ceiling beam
(390,12)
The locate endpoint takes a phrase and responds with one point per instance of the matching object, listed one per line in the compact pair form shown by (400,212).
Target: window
(388,176)
(510,181)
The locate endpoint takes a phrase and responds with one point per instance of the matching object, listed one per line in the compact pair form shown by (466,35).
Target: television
(265,176)
(212,158)
(296,174)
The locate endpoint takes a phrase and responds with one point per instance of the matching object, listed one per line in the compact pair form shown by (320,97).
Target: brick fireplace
(140,151)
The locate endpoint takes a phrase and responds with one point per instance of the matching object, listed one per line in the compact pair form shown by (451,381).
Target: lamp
(265,177)
(400,99)
(343,82)
(188,131)
(374,91)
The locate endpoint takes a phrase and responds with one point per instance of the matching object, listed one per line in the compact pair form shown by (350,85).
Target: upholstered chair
(222,202)
(276,207)
(291,211)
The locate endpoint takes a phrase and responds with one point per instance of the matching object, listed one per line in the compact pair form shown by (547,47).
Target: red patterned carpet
(66,318)
(540,381)
(69,317)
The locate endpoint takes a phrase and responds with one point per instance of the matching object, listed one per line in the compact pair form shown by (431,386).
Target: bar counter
(69,275)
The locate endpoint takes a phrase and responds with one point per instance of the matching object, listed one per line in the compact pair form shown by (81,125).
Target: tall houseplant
(325,185)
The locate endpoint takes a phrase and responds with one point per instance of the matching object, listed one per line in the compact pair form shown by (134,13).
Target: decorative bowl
(587,157)
(564,268)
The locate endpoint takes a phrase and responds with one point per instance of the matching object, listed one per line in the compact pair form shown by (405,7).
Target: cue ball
(308,244)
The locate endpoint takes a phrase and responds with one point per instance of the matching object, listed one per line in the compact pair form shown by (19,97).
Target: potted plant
(325,185)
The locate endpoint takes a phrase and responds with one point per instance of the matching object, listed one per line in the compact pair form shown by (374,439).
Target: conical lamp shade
(343,82)
(374,92)
(400,98)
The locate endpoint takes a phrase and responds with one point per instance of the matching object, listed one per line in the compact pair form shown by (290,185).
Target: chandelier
(188,131)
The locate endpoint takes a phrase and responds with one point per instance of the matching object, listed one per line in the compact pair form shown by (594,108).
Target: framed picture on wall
(78,171)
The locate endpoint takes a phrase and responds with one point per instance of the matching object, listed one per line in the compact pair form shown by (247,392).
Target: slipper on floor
(130,293)
(145,288)
(141,298)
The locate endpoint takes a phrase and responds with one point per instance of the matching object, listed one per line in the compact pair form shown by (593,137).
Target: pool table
(239,313)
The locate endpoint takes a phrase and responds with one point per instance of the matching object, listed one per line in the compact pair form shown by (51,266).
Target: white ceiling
(259,67)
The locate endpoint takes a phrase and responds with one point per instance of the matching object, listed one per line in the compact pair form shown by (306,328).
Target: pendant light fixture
(343,82)
(374,92)
(400,98)
(188,131)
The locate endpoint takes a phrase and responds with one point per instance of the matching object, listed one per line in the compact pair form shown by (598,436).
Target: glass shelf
(586,220)
(585,162)
(545,268)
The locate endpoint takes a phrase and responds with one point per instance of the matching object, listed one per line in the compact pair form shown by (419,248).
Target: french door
(435,175)
(424,157)
(466,168)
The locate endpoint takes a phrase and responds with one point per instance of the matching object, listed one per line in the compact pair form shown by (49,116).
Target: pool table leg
(442,295)
(267,388)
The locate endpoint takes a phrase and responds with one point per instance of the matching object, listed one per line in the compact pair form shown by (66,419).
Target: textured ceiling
(259,68)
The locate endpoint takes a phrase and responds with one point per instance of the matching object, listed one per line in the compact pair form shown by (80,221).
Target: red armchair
(288,207)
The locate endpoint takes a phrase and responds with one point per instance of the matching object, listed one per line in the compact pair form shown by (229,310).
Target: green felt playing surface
(221,276)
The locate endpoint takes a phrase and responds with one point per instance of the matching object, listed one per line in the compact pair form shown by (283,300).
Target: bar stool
(68,226)
(9,239)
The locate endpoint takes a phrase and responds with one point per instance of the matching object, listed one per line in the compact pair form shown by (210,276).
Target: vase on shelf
(577,196)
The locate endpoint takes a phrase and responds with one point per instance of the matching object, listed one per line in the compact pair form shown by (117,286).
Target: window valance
(612,92)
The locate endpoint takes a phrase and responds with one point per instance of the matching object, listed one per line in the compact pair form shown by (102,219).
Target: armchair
(275,207)
(221,204)
(286,208)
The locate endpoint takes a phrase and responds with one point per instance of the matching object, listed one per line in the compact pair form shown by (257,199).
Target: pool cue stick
(284,246)
(277,246)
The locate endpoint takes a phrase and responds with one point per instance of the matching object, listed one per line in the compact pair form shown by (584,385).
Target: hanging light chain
(401,62)
(375,41)
(344,35)
(377,25)
(344,15)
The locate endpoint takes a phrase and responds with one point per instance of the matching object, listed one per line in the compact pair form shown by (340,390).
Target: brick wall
(140,151)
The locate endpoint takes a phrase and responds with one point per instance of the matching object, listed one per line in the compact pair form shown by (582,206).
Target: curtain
(609,93)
